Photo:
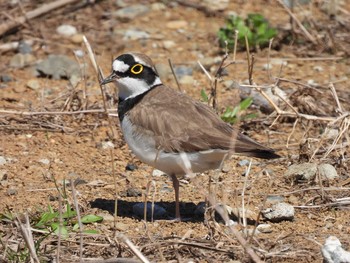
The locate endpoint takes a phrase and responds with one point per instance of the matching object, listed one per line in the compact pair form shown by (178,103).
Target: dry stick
(28,237)
(74,194)
(303,29)
(133,248)
(4,28)
(59,227)
(235,46)
(100,78)
(115,190)
(235,232)
(175,77)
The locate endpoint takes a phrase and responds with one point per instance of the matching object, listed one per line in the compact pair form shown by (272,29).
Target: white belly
(170,163)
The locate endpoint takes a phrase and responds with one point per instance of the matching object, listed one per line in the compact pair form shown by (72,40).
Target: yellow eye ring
(137,69)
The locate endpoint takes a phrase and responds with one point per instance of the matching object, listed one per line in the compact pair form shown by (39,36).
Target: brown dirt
(72,143)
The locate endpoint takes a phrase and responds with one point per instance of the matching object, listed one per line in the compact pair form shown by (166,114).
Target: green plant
(255,27)
(232,115)
(49,221)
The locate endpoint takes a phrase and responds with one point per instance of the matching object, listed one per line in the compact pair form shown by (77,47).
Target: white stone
(66,30)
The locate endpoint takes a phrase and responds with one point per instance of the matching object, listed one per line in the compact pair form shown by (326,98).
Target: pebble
(304,171)
(208,62)
(107,145)
(169,44)
(186,80)
(121,226)
(66,30)
(181,71)
(44,161)
(264,228)
(21,60)
(158,6)
(79,53)
(131,12)
(106,217)
(333,252)
(59,66)
(327,171)
(279,212)
(133,192)
(318,68)
(2,160)
(272,199)
(11,191)
(130,167)
(244,162)
(177,24)
(77,38)
(3,175)
(5,78)
(33,84)
(225,168)
(138,210)
(134,34)
(157,173)
(24,47)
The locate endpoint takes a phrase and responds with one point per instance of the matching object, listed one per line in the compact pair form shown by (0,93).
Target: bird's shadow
(127,209)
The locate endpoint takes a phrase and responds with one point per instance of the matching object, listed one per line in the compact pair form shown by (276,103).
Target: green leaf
(61,230)
(91,231)
(245,104)
(46,218)
(91,219)
(204,96)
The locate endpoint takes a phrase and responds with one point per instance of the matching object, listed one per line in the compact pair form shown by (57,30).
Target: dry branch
(46,8)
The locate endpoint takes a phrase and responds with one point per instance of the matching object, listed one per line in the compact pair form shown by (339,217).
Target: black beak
(109,79)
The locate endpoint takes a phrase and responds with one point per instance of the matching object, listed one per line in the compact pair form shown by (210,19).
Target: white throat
(131,87)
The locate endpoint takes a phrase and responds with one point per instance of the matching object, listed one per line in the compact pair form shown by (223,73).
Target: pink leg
(176,186)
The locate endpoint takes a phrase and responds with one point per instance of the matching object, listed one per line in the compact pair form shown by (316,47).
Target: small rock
(216,5)
(186,80)
(11,191)
(5,78)
(133,34)
(267,66)
(177,24)
(24,47)
(279,212)
(59,66)
(79,53)
(77,38)
(106,217)
(66,30)
(181,71)
(225,168)
(138,210)
(3,175)
(327,171)
(158,6)
(2,160)
(131,12)
(133,192)
(33,84)
(333,252)
(264,228)
(130,167)
(121,226)
(208,62)
(169,44)
(21,60)
(304,171)
(44,161)
(244,162)
(318,68)
(157,173)
(107,145)
(273,199)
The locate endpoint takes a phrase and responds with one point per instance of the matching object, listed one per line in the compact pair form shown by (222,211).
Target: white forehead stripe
(120,66)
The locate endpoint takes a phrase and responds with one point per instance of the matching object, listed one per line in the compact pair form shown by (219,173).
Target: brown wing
(181,124)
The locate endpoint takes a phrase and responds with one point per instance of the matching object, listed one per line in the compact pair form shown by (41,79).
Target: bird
(169,130)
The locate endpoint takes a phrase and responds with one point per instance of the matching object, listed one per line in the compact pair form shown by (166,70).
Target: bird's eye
(137,69)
